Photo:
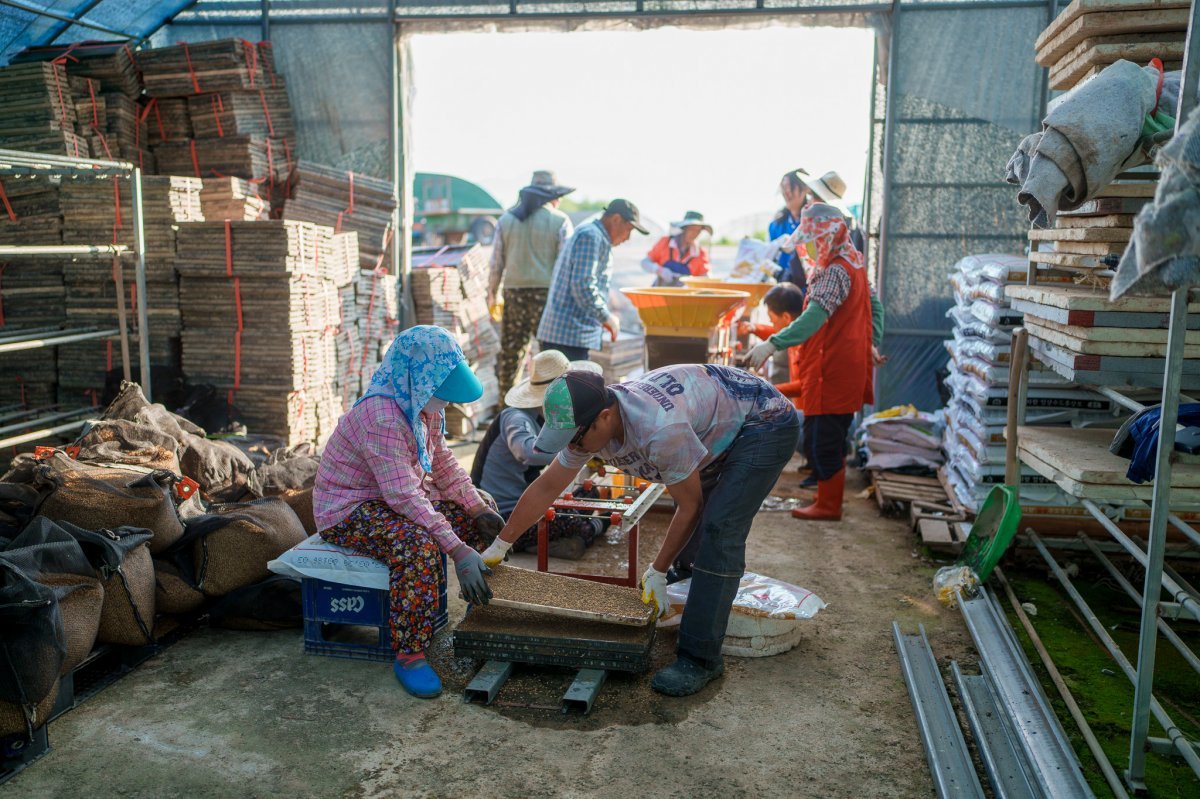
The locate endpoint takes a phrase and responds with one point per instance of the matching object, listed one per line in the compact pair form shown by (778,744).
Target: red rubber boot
(828,506)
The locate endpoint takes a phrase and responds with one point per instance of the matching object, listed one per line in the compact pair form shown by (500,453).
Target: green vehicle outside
(450,210)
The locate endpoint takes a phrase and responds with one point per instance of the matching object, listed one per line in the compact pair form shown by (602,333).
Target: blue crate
(349,621)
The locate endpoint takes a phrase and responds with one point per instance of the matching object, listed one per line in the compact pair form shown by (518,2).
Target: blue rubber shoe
(418,678)
(684,677)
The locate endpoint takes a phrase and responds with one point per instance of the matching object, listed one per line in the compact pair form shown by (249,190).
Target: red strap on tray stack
(267,69)
(218,108)
(195,160)
(251,59)
(191,72)
(62,105)
(7,206)
(266,112)
(237,301)
(349,209)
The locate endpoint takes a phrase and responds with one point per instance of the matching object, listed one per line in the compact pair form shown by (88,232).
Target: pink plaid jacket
(372,456)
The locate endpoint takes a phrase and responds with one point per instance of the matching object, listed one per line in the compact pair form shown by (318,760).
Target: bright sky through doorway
(672,119)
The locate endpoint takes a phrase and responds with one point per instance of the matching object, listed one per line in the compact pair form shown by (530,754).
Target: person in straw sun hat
(830,188)
(507,461)
(680,255)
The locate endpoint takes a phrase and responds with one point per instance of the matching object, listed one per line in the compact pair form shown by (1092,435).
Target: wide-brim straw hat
(829,187)
(547,367)
(544,182)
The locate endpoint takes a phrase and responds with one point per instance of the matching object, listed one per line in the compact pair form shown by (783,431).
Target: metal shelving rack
(23,427)
(1155,613)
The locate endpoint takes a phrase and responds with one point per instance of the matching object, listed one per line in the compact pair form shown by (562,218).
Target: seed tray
(522,637)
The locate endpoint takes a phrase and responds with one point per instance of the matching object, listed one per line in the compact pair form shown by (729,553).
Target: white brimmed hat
(547,367)
(830,187)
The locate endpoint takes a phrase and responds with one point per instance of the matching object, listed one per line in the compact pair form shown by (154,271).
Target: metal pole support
(143,317)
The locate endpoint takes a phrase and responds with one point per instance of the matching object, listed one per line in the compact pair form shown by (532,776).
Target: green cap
(572,401)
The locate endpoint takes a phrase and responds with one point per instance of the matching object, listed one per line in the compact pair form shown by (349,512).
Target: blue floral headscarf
(415,365)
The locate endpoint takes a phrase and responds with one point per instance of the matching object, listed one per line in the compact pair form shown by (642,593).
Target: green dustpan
(992,532)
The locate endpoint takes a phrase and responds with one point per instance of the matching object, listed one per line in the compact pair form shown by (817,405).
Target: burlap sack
(233,543)
(221,469)
(106,497)
(13,720)
(128,616)
(122,441)
(80,602)
(301,501)
(173,594)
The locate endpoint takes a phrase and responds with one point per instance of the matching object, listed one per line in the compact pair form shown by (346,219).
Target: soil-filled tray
(497,633)
(570,597)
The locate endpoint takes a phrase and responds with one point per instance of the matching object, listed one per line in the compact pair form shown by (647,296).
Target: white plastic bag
(760,596)
(951,580)
(755,261)
(317,558)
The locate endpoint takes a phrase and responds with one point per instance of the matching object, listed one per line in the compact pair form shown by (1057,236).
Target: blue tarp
(137,20)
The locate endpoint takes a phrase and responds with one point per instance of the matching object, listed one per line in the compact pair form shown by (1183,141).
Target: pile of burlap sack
(141,521)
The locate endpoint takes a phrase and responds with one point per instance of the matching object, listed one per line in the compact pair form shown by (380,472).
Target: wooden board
(1093,248)
(1112,319)
(1068,260)
(1107,374)
(1074,298)
(1082,455)
(1122,348)
(1104,206)
(1157,335)
(1066,221)
(1080,233)
(1078,8)
(1108,23)
(1149,365)
(1102,51)
(1143,189)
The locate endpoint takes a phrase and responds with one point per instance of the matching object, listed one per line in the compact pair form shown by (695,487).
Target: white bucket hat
(547,367)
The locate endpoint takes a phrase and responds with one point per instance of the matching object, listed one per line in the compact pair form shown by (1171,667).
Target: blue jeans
(746,476)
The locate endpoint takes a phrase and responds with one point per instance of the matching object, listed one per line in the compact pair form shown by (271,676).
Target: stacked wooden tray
(31,298)
(37,112)
(1090,239)
(90,213)
(345,201)
(620,358)
(37,205)
(1080,334)
(193,68)
(341,268)
(248,157)
(167,120)
(261,112)
(111,64)
(232,198)
(1089,35)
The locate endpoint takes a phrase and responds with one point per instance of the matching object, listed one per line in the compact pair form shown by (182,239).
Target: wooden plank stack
(37,112)
(1089,240)
(260,112)
(195,68)
(89,208)
(31,297)
(167,120)
(280,368)
(112,122)
(111,64)
(1081,335)
(248,157)
(36,204)
(376,319)
(232,198)
(1089,35)
(344,201)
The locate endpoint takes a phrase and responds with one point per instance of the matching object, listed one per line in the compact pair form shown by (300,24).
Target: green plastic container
(992,532)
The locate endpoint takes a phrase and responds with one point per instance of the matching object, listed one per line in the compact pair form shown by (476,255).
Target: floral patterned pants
(413,558)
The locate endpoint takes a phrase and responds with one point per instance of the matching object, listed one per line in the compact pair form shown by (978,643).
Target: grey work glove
(759,354)
(471,568)
(489,524)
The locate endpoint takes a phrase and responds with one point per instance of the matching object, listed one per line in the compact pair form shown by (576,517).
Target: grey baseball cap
(627,211)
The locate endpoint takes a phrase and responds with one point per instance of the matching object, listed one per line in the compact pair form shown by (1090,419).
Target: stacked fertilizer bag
(141,520)
(901,438)
(978,382)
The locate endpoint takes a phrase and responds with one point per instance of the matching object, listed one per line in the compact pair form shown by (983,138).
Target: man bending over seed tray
(718,438)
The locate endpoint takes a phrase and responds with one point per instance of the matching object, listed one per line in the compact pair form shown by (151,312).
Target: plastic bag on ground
(949,581)
(757,595)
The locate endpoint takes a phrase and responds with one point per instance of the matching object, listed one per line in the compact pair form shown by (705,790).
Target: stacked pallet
(112,122)
(620,359)
(979,375)
(36,211)
(31,301)
(111,64)
(375,311)
(344,201)
(91,213)
(1089,240)
(1089,35)
(249,157)
(37,113)
(167,120)
(232,198)
(195,68)
(259,322)
(261,112)
(1080,334)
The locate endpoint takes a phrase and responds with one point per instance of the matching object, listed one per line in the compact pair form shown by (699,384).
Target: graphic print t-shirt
(681,418)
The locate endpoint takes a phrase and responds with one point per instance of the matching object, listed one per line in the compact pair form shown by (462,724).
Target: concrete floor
(236,714)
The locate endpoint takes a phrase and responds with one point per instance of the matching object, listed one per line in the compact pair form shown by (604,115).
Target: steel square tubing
(1182,746)
(949,760)
(488,681)
(583,691)
(1006,769)
(1035,729)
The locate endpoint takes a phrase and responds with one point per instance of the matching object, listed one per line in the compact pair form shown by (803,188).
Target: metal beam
(29,8)
(143,316)
(265,33)
(57,30)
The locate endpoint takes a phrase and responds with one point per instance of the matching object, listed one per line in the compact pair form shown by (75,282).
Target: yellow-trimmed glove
(654,590)
(496,552)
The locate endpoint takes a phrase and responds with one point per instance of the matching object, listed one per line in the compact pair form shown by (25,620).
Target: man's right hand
(496,552)
(612,325)
(654,590)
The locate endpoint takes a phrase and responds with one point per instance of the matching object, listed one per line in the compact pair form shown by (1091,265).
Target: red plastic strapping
(103,143)
(133,304)
(12,217)
(62,105)
(266,68)
(108,355)
(350,207)
(251,59)
(191,72)
(195,160)
(95,114)
(136,67)
(266,112)
(270,163)
(237,301)
(94,395)
(218,108)
(1158,64)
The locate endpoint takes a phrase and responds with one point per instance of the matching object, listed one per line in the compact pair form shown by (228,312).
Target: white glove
(654,590)
(759,354)
(496,552)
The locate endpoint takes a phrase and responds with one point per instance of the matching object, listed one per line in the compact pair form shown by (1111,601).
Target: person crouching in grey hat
(529,238)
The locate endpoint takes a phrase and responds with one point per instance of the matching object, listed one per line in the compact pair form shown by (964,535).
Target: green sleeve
(802,328)
(876,320)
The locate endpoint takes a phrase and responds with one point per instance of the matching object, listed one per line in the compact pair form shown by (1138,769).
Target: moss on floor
(1096,681)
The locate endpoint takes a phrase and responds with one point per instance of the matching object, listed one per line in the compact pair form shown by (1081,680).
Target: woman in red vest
(835,330)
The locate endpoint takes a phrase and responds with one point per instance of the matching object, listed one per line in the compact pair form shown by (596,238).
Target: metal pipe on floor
(1089,737)
(1187,602)
(1128,588)
(1182,745)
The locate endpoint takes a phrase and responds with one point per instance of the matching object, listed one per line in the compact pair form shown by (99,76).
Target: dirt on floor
(225,714)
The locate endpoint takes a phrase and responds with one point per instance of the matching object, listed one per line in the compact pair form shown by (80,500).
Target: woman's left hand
(489,524)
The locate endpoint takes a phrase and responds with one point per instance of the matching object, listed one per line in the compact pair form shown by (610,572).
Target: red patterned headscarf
(825,226)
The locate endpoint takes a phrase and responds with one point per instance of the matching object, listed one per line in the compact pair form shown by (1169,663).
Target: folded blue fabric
(1142,434)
